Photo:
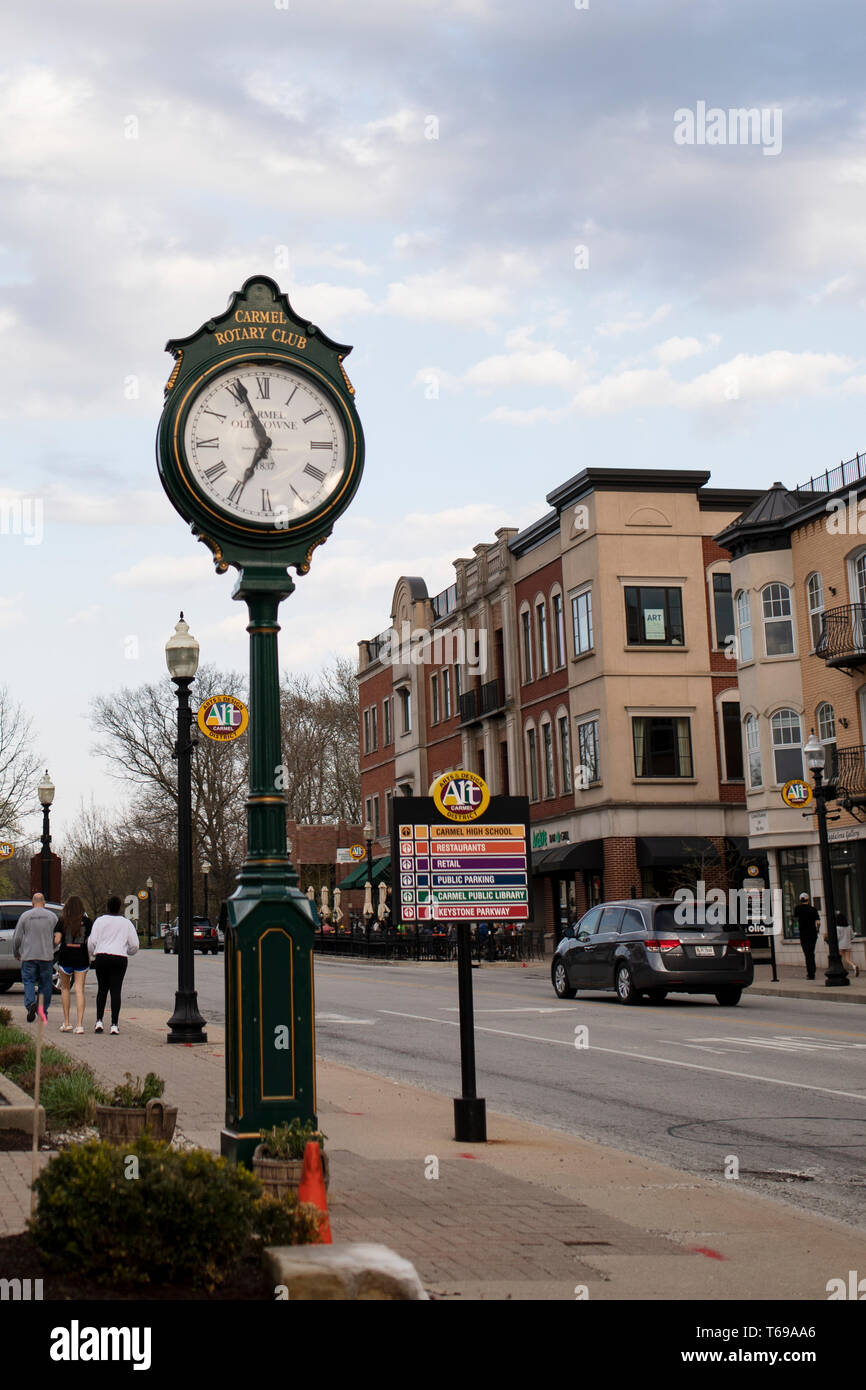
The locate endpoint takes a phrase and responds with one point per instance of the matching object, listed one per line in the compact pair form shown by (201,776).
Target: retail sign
(759,822)
(851,832)
(451,872)
(796,793)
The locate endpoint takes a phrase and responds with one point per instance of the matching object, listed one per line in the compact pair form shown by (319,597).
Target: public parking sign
(468,870)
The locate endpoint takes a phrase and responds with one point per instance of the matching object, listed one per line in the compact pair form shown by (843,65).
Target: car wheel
(729,995)
(561,988)
(625,990)
(4,985)
(55,981)
(657,996)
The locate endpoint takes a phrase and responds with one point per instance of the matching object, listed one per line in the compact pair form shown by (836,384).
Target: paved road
(778,1084)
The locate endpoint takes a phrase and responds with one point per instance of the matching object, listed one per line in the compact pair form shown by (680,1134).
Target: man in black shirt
(806,916)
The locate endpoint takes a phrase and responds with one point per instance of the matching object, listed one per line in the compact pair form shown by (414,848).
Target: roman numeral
(215,414)
(289,401)
(264,385)
(206,443)
(235,493)
(266,501)
(215,472)
(315,415)
(313,472)
(237,390)
(321,444)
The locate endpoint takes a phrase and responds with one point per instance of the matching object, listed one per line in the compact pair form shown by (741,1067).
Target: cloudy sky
(487,198)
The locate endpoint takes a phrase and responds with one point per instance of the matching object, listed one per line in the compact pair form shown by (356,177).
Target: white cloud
(677,350)
(441,297)
(11,610)
(633,322)
(166,572)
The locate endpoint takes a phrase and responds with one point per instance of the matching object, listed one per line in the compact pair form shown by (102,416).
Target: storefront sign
(450,872)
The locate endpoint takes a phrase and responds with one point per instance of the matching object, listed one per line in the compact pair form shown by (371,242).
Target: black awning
(567,858)
(673,850)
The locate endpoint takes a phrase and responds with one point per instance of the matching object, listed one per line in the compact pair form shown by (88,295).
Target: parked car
(639,947)
(10,968)
(204,937)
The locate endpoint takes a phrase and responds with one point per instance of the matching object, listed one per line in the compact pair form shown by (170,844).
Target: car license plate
(705,951)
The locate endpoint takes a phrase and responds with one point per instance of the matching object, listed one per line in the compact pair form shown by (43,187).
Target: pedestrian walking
(33,945)
(73,960)
(806,916)
(845,938)
(113,939)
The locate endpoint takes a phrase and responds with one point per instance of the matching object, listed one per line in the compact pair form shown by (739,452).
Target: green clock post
(260,449)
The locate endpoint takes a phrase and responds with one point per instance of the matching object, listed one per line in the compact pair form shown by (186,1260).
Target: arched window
(815,601)
(826,717)
(744,624)
(753,751)
(787,744)
(778,623)
(532,762)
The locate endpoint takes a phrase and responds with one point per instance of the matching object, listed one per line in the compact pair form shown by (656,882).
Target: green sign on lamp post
(260,449)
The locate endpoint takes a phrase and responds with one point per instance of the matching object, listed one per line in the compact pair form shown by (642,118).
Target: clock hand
(257,458)
(260,432)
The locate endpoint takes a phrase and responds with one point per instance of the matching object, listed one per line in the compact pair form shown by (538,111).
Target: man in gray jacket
(33,945)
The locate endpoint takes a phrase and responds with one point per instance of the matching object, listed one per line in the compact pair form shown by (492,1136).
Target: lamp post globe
(186,1024)
(46,796)
(814,751)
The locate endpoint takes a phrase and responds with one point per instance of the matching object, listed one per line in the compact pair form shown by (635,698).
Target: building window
(815,601)
(458,684)
(547,744)
(826,716)
(654,616)
(366,731)
(744,624)
(581,621)
(787,744)
(389,797)
(793,880)
(778,625)
(662,747)
(532,745)
(434,698)
(376,822)
(558,631)
(564,754)
(753,751)
(368,810)
(406,709)
(732,741)
(541,629)
(446,694)
(526,633)
(587,752)
(723,610)
(386,722)
(374,726)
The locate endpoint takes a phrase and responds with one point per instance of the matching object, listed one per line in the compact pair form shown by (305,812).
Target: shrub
(286,1221)
(133,1093)
(69,1098)
(5,1018)
(13,1056)
(182,1220)
(289,1140)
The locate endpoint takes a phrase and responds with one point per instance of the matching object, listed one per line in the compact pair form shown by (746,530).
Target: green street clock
(260,449)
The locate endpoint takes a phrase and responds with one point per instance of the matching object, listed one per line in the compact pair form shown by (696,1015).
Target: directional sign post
(460,856)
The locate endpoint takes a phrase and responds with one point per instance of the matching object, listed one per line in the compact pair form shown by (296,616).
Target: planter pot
(119,1125)
(281,1175)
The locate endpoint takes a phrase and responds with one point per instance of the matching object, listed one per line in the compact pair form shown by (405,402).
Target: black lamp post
(368,836)
(835,974)
(46,796)
(205,870)
(186,1024)
(149,885)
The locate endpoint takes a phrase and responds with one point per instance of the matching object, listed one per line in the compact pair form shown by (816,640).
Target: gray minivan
(10,968)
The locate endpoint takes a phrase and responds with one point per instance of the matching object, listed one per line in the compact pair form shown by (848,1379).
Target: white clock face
(265,444)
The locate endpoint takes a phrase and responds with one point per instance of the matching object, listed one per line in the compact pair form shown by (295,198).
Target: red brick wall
(621,872)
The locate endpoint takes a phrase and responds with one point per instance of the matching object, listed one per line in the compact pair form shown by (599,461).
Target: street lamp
(46,796)
(149,886)
(368,897)
(835,974)
(205,869)
(186,1024)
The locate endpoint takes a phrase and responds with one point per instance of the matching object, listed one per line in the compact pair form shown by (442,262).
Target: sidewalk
(530,1215)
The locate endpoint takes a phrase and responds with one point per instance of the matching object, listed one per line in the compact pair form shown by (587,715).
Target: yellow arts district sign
(223,718)
(357,851)
(796,793)
(6,850)
(461,796)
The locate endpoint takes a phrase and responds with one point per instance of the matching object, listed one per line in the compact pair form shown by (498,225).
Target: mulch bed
(18,1140)
(19,1259)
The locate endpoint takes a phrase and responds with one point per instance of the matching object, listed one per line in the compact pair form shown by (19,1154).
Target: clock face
(264,443)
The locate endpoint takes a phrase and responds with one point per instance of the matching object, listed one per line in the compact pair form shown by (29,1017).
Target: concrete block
(342,1272)
(16,1108)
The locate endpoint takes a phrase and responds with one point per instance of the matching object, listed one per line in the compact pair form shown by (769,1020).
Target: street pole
(186,1024)
(149,910)
(205,869)
(46,796)
(835,974)
(470,1112)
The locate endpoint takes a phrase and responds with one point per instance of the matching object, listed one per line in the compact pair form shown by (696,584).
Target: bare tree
(320,745)
(18,764)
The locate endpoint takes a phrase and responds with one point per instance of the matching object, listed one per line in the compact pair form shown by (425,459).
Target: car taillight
(669,944)
(740,945)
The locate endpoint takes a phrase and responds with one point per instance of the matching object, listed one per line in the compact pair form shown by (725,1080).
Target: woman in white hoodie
(113,939)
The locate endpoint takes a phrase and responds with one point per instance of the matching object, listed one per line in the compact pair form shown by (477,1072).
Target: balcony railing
(492,695)
(487,699)
(848,771)
(843,636)
(468,706)
(845,475)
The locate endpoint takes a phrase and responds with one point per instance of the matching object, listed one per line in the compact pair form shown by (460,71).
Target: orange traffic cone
(312,1188)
